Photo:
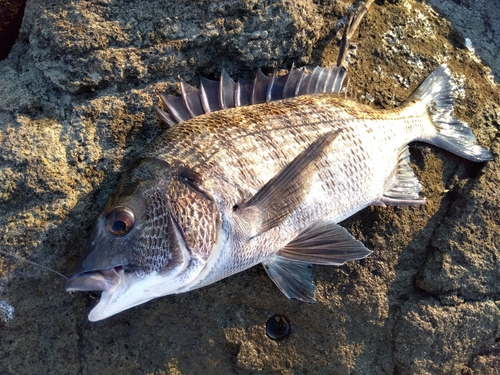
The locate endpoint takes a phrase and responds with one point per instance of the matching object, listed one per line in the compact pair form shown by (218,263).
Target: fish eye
(120,221)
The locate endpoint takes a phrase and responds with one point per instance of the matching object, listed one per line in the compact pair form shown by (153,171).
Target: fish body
(265,183)
(239,150)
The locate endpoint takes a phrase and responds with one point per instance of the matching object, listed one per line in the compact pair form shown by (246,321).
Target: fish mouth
(112,282)
(106,280)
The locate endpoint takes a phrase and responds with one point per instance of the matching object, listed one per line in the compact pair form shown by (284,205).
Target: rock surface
(77,97)
(477,25)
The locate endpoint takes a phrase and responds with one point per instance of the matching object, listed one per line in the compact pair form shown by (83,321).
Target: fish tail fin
(451,134)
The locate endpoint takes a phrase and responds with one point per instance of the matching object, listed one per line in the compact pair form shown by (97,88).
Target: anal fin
(405,191)
(294,279)
(324,243)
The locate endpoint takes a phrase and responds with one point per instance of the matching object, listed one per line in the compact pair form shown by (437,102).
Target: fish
(260,172)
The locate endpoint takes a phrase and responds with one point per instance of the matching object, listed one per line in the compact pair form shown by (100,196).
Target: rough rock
(475,26)
(77,97)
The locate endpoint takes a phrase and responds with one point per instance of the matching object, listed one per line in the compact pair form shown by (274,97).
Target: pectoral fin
(286,191)
(323,242)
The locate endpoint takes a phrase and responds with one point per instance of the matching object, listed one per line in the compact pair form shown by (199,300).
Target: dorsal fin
(225,93)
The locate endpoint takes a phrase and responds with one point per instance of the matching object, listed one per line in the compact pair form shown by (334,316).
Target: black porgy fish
(260,172)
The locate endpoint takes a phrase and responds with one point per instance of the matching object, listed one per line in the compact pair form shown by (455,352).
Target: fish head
(152,239)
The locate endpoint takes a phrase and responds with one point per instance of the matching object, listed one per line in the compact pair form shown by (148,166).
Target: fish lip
(106,280)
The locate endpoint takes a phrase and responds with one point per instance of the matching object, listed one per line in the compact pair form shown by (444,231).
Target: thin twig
(352,23)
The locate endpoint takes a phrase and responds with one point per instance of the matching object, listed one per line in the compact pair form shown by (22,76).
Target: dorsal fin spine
(226,91)
(270,88)
(191,97)
(165,116)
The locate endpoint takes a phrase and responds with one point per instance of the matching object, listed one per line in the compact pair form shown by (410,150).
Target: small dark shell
(278,327)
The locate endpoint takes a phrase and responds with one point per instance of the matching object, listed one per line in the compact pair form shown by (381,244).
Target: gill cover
(152,238)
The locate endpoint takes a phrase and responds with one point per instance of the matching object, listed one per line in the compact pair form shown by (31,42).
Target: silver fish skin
(265,183)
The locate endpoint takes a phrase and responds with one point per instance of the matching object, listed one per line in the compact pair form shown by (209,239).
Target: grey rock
(112,43)
(77,97)
(477,21)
